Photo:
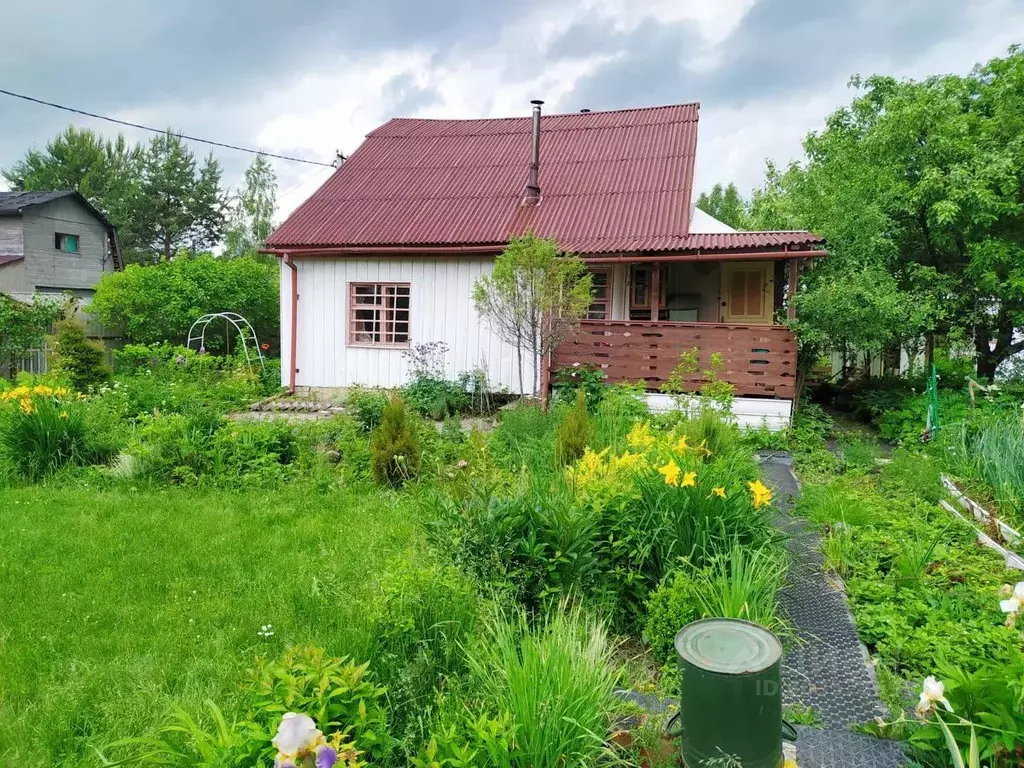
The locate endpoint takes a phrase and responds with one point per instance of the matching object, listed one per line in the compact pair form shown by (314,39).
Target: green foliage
(707,427)
(915,186)
(555,679)
(261,450)
(991,450)
(687,377)
(367,407)
(172,447)
(479,741)
(394,446)
(337,693)
(44,436)
(422,617)
(252,211)
(159,303)
(524,438)
(574,431)
(588,379)
(740,583)
(533,298)
(622,405)
(106,172)
(435,397)
(727,205)
(23,327)
(76,359)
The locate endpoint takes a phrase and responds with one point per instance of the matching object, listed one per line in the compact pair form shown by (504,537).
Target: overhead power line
(34,100)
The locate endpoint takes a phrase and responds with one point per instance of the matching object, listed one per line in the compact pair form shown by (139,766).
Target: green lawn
(112,603)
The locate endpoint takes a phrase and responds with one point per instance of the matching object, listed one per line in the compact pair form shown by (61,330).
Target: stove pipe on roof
(533,184)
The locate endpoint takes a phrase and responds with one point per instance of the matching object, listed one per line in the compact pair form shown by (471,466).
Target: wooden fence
(758,360)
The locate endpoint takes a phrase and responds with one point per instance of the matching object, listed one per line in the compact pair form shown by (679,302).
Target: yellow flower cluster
(598,466)
(41,390)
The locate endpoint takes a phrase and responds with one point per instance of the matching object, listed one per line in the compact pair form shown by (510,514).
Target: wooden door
(748,291)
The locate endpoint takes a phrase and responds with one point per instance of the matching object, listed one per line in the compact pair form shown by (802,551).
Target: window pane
(71,243)
(379,313)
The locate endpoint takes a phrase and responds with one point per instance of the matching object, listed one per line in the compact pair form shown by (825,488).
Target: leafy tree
(180,203)
(533,298)
(253,211)
(160,302)
(23,327)
(923,181)
(727,205)
(106,172)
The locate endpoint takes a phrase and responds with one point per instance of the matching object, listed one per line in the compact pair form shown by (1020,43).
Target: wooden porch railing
(758,360)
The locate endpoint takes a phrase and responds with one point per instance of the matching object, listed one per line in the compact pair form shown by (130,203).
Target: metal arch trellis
(243,327)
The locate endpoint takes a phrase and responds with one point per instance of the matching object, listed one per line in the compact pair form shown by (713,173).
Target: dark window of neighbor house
(378,314)
(64,242)
(600,302)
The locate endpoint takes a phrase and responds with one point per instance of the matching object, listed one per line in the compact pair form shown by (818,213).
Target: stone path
(827,667)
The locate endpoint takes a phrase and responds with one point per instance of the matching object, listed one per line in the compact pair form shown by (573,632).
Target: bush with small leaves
(394,447)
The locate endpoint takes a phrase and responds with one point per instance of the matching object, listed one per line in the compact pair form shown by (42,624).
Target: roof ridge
(546,114)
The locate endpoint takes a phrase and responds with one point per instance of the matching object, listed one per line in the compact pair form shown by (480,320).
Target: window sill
(367,345)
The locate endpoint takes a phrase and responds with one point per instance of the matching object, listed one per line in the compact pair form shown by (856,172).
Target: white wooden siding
(441,309)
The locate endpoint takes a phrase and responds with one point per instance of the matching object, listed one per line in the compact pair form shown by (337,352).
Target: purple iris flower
(285,762)
(326,756)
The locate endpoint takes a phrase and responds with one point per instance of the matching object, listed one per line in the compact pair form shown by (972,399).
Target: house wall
(12,278)
(441,309)
(47,267)
(12,241)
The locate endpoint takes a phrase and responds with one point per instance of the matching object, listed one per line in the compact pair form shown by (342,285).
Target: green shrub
(339,695)
(394,447)
(569,381)
(555,679)
(709,428)
(77,360)
(173,447)
(253,451)
(435,397)
(670,608)
(367,407)
(621,406)
(574,431)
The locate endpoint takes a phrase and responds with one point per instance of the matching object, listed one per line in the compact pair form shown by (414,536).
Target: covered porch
(649,310)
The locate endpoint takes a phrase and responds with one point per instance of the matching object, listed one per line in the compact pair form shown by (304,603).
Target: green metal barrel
(731,697)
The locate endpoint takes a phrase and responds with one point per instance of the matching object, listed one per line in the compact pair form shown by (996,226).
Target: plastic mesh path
(826,668)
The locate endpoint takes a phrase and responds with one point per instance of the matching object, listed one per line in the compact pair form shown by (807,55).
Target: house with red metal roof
(385,255)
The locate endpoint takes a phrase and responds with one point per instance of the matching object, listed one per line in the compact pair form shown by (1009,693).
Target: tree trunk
(519,361)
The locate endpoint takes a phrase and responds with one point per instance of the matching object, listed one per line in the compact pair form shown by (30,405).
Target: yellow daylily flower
(671,472)
(681,445)
(719,492)
(689,480)
(63,414)
(25,404)
(762,495)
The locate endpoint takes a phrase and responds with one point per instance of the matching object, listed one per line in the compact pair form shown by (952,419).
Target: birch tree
(533,299)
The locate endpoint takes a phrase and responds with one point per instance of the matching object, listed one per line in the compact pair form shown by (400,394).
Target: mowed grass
(112,604)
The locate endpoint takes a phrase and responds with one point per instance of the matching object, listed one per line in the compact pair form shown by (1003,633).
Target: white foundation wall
(749,412)
(440,308)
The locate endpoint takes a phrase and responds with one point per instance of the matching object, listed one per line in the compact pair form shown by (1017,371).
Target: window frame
(60,242)
(607,300)
(381,311)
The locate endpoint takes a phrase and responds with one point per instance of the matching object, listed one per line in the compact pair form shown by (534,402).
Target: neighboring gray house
(53,242)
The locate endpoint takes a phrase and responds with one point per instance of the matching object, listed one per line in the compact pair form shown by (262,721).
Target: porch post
(794,273)
(655,290)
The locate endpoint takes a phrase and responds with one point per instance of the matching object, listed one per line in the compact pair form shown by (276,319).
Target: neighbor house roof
(13,203)
(610,182)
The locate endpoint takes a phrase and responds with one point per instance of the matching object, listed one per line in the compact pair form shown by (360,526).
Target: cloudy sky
(311,76)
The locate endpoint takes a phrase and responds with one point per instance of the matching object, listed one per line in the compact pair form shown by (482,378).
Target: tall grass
(743,584)
(555,679)
(42,441)
(993,453)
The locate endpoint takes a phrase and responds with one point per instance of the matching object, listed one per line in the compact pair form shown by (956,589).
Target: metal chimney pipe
(533,185)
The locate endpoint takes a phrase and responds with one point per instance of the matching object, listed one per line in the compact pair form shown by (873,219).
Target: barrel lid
(728,646)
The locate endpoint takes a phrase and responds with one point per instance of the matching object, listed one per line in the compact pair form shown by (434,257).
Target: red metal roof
(610,182)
